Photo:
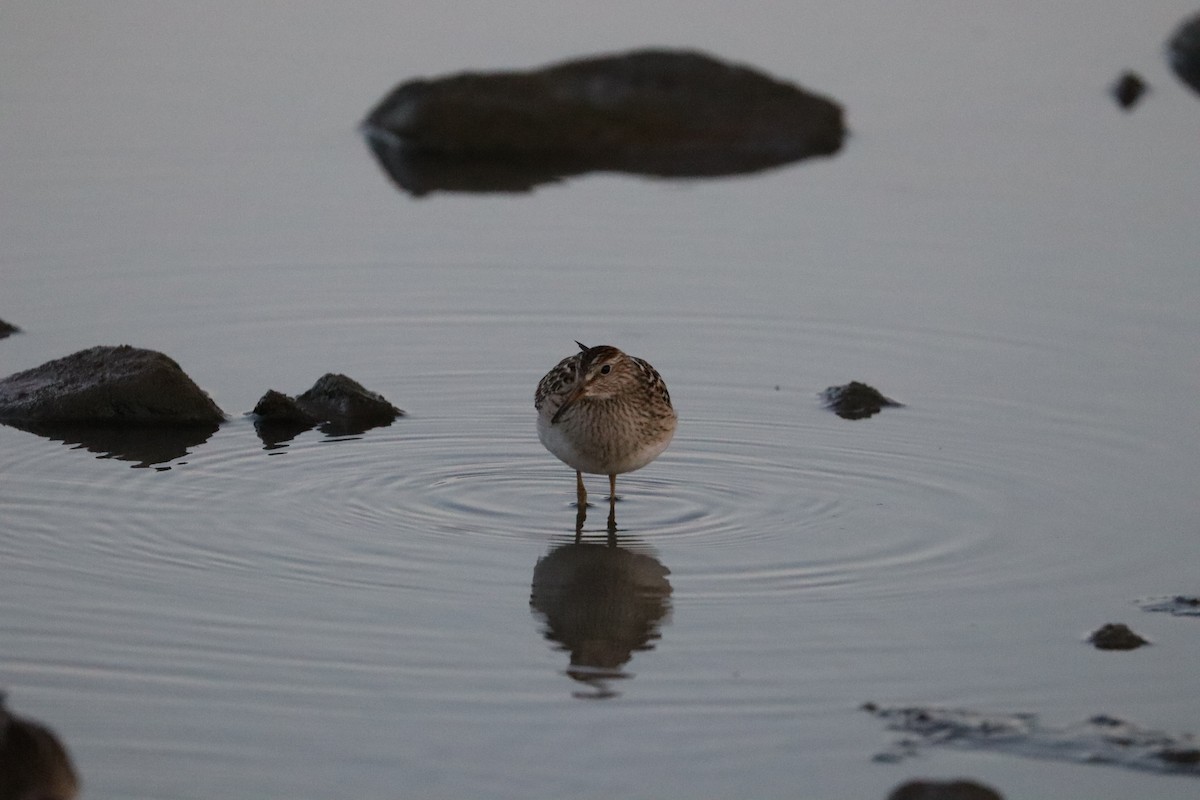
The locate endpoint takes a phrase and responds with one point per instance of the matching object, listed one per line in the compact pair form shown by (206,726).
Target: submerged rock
(1116,636)
(342,404)
(7,329)
(944,790)
(1183,52)
(856,400)
(33,762)
(657,112)
(1099,740)
(107,385)
(1179,605)
(1128,90)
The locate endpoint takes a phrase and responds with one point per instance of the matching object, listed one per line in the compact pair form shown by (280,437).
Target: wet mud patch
(1098,740)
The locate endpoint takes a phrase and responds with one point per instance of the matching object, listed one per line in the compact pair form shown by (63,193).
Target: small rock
(856,400)
(342,404)
(944,790)
(7,329)
(278,407)
(1129,89)
(107,385)
(1116,636)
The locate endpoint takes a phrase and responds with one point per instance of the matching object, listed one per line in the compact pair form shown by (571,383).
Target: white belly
(611,455)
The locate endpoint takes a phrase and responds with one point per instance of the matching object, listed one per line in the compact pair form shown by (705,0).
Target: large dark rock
(1183,51)
(342,404)
(656,112)
(107,385)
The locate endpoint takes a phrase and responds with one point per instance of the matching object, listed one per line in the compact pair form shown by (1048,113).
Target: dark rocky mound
(657,112)
(107,385)
(33,762)
(856,400)
(1116,636)
(944,790)
(1183,52)
(7,329)
(341,406)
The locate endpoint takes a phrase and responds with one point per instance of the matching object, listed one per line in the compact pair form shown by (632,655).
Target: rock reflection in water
(146,445)
(601,602)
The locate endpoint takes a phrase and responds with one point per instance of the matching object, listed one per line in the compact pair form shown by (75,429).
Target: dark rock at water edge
(944,790)
(33,761)
(1128,90)
(856,400)
(658,112)
(341,403)
(7,329)
(1116,636)
(1183,52)
(107,385)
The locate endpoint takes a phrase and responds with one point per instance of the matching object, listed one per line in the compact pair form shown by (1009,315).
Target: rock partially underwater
(120,402)
(7,329)
(856,400)
(673,113)
(1116,636)
(1099,740)
(340,405)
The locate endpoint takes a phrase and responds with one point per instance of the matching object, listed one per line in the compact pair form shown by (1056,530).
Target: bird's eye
(607,368)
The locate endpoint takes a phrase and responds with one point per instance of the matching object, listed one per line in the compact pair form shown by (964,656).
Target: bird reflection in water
(601,602)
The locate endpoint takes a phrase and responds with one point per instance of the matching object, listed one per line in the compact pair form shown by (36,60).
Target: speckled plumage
(604,412)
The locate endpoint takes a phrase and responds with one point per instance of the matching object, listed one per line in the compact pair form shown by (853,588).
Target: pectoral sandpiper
(604,412)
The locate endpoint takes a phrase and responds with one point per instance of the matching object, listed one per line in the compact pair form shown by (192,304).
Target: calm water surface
(998,247)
